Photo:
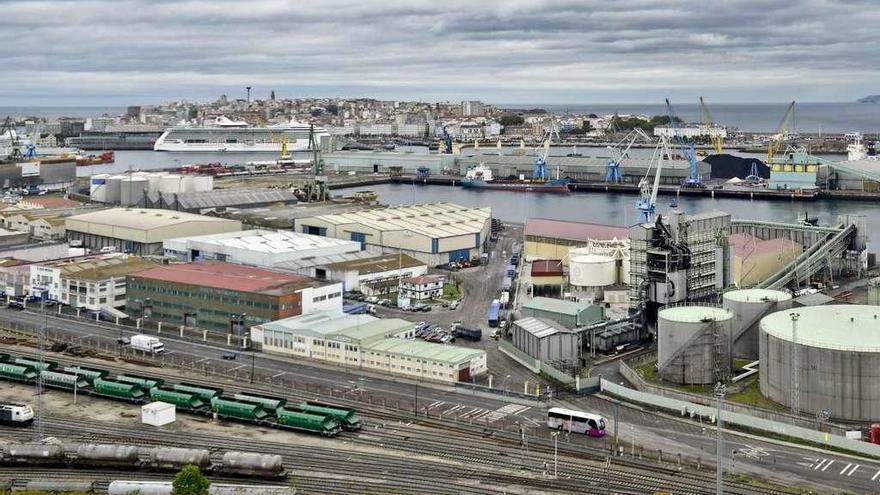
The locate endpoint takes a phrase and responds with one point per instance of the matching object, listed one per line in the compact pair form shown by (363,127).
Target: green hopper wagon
(89,374)
(268,403)
(182,400)
(17,372)
(145,383)
(324,425)
(239,410)
(45,365)
(204,393)
(348,418)
(119,390)
(63,380)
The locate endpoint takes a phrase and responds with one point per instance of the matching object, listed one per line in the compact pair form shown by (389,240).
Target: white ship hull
(176,145)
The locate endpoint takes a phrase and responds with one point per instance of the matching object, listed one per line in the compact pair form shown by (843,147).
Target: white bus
(576,422)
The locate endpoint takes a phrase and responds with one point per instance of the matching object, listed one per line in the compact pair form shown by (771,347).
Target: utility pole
(720,390)
(795,366)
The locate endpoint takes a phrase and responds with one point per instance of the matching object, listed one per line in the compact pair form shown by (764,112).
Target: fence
(534,365)
(741,420)
(640,383)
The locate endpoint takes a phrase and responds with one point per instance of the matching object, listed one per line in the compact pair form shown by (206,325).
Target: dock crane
(647,203)
(687,149)
(447,141)
(778,139)
(14,143)
(540,172)
(619,152)
(715,138)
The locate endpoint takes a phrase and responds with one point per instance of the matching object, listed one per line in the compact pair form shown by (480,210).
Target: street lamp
(555,435)
(719,392)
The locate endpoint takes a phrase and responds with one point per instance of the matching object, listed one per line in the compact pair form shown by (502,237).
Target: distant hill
(869,99)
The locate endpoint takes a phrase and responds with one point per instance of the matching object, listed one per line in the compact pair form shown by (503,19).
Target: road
(792,465)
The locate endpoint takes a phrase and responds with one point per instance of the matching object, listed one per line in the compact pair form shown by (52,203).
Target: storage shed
(158,413)
(545,340)
(569,314)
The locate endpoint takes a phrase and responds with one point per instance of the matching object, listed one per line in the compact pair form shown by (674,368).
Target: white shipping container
(158,413)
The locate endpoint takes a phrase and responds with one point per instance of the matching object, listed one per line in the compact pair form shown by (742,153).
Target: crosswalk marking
(851,471)
(436,404)
(830,462)
(874,478)
(845,468)
(817,466)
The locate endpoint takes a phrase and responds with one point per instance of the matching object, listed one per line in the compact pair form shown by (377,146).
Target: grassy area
(751,396)
(739,363)
(451,291)
(648,372)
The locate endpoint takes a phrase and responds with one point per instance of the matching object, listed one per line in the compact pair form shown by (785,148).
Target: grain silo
(837,351)
(132,190)
(114,188)
(748,307)
(694,344)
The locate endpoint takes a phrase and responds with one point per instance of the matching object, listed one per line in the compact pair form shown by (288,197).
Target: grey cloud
(502,51)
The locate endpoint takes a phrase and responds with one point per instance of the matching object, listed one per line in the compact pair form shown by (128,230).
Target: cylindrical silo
(624,270)
(837,350)
(694,344)
(187,183)
(203,183)
(114,188)
(592,270)
(98,188)
(748,307)
(169,184)
(154,181)
(132,190)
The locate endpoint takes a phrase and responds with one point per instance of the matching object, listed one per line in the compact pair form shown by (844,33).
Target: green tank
(348,418)
(268,403)
(240,410)
(87,373)
(120,390)
(206,394)
(299,420)
(182,400)
(17,372)
(63,380)
(145,382)
(45,365)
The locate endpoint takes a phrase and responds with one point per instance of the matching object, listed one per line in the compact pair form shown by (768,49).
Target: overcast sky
(117,52)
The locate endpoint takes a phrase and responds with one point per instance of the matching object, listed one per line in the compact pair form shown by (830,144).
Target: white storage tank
(694,344)
(202,183)
(154,181)
(169,184)
(748,307)
(132,190)
(624,270)
(592,270)
(187,183)
(114,188)
(98,188)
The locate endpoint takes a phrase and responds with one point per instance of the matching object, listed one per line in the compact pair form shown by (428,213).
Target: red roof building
(547,268)
(572,231)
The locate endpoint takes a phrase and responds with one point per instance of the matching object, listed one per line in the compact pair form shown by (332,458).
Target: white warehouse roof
(432,220)
(264,247)
(147,225)
(536,327)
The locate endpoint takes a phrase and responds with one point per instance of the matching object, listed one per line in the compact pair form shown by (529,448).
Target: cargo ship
(480,177)
(86,160)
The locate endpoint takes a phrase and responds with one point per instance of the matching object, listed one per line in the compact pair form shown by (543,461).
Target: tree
(190,481)
(511,119)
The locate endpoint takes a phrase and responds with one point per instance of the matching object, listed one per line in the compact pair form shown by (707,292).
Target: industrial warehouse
(435,234)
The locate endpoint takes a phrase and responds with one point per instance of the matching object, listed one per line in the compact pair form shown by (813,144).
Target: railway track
(458,442)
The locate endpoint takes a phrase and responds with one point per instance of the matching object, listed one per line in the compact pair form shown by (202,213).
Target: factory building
(93,283)
(139,231)
(545,341)
(596,270)
(569,314)
(35,225)
(422,288)
(263,248)
(375,275)
(794,170)
(755,260)
(546,277)
(836,356)
(368,343)
(682,258)
(553,239)
(435,234)
(694,344)
(48,176)
(140,188)
(226,297)
(749,306)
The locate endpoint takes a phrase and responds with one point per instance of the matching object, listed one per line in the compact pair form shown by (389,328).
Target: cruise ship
(224,134)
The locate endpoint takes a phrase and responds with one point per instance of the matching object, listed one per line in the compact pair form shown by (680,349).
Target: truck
(147,343)
(505,299)
(494,313)
(356,308)
(506,284)
(474,334)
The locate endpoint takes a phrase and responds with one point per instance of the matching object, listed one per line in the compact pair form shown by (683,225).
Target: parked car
(229,356)
(14,304)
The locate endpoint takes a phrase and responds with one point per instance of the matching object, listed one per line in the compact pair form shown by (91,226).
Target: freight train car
(297,420)
(88,374)
(18,372)
(182,400)
(118,390)
(144,382)
(56,379)
(252,464)
(270,404)
(204,393)
(37,365)
(238,410)
(347,418)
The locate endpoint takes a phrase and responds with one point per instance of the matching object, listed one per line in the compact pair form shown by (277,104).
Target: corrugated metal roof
(545,268)
(143,219)
(222,275)
(325,261)
(376,264)
(432,220)
(219,198)
(418,349)
(573,231)
(377,328)
(270,241)
(560,306)
(536,327)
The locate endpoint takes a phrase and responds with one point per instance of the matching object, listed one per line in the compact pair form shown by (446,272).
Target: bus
(576,422)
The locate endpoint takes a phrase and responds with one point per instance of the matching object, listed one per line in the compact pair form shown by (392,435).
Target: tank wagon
(90,454)
(249,464)
(120,487)
(60,486)
(176,458)
(347,418)
(33,453)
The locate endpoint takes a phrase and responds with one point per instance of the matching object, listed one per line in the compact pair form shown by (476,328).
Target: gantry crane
(778,140)
(540,172)
(686,148)
(14,143)
(619,152)
(647,203)
(715,137)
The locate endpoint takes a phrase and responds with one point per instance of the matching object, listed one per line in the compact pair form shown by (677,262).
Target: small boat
(104,157)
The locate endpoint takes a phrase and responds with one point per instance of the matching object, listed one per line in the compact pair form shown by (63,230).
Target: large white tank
(98,188)
(154,181)
(132,190)
(114,188)
(170,184)
(748,307)
(694,344)
(592,270)
(203,183)
(624,271)
(187,183)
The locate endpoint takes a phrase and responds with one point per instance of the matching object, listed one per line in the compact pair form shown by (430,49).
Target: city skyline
(509,53)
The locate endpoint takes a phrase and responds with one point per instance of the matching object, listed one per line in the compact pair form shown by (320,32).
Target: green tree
(190,481)
(511,119)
